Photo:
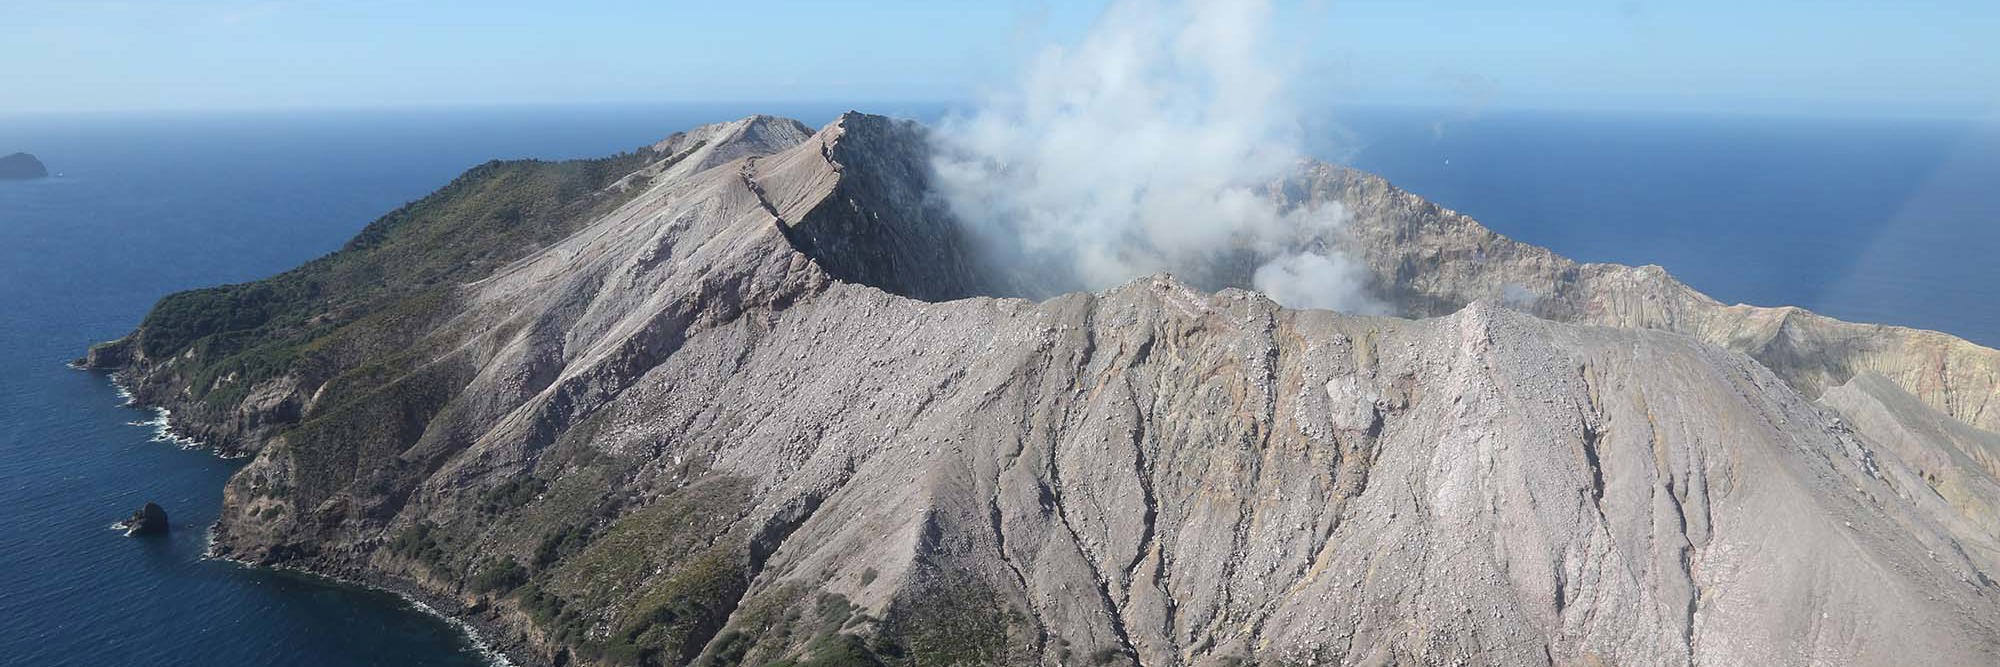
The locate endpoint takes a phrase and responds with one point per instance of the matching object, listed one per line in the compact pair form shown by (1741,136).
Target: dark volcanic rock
(21,167)
(149,520)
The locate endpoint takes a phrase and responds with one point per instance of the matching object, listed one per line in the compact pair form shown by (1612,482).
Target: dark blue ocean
(1879,220)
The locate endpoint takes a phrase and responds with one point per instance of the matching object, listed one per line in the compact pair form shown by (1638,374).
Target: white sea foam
(163,430)
(125,394)
(492,655)
(162,424)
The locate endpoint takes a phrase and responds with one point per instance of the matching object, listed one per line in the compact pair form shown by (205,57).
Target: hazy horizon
(1784,58)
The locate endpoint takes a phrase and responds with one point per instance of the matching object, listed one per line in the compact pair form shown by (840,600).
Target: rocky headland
(750,396)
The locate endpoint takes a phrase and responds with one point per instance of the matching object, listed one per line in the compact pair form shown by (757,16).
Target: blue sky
(1824,56)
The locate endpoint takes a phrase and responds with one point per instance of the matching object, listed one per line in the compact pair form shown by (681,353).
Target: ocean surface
(1877,220)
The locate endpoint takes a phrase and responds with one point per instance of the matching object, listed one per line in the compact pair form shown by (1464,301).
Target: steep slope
(240,363)
(731,418)
(1429,260)
(1958,464)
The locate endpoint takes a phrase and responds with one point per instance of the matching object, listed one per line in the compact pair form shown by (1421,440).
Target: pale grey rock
(1929,458)
(1428,260)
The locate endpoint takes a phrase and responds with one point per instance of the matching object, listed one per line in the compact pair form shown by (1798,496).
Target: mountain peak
(756,134)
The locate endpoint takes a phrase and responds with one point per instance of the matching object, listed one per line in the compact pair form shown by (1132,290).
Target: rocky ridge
(1431,261)
(762,405)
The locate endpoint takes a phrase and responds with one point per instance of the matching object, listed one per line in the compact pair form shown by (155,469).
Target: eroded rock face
(744,418)
(1945,460)
(1429,261)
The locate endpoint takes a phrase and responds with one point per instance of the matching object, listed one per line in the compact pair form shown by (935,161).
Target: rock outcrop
(753,398)
(1430,261)
(21,167)
(148,520)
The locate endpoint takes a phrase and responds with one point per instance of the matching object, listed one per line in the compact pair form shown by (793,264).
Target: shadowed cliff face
(764,405)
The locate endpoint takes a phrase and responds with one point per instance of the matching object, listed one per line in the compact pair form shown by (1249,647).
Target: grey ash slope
(1430,261)
(735,420)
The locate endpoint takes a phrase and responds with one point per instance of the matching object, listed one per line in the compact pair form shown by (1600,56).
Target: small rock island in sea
(21,167)
(149,520)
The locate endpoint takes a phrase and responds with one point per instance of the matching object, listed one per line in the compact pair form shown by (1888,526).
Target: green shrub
(499,576)
(511,494)
(840,650)
(419,542)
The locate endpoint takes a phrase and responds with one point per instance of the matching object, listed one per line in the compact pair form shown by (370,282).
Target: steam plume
(1149,146)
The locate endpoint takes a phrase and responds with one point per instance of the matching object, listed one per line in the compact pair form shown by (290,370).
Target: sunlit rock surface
(769,408)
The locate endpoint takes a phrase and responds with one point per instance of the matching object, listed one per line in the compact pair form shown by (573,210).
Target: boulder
(149,520)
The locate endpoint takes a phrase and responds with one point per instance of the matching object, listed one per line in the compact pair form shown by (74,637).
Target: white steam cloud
(1150,145)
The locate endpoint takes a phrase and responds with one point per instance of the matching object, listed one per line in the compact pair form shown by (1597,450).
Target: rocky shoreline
(487,635)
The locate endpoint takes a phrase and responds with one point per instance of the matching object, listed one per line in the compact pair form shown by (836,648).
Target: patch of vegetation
(497,576)
(565,540)
(730,648)
(490,215)
(575,504)
(833,610)
(511,494)
(841,650)
(180,319)
(350,326)
(665,578)
(672,530)
(957,623)
(1106,656)
(366,434)
(765,623)
(777,622)
(674,618)
(419,542)
(352,320)
(668,623)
